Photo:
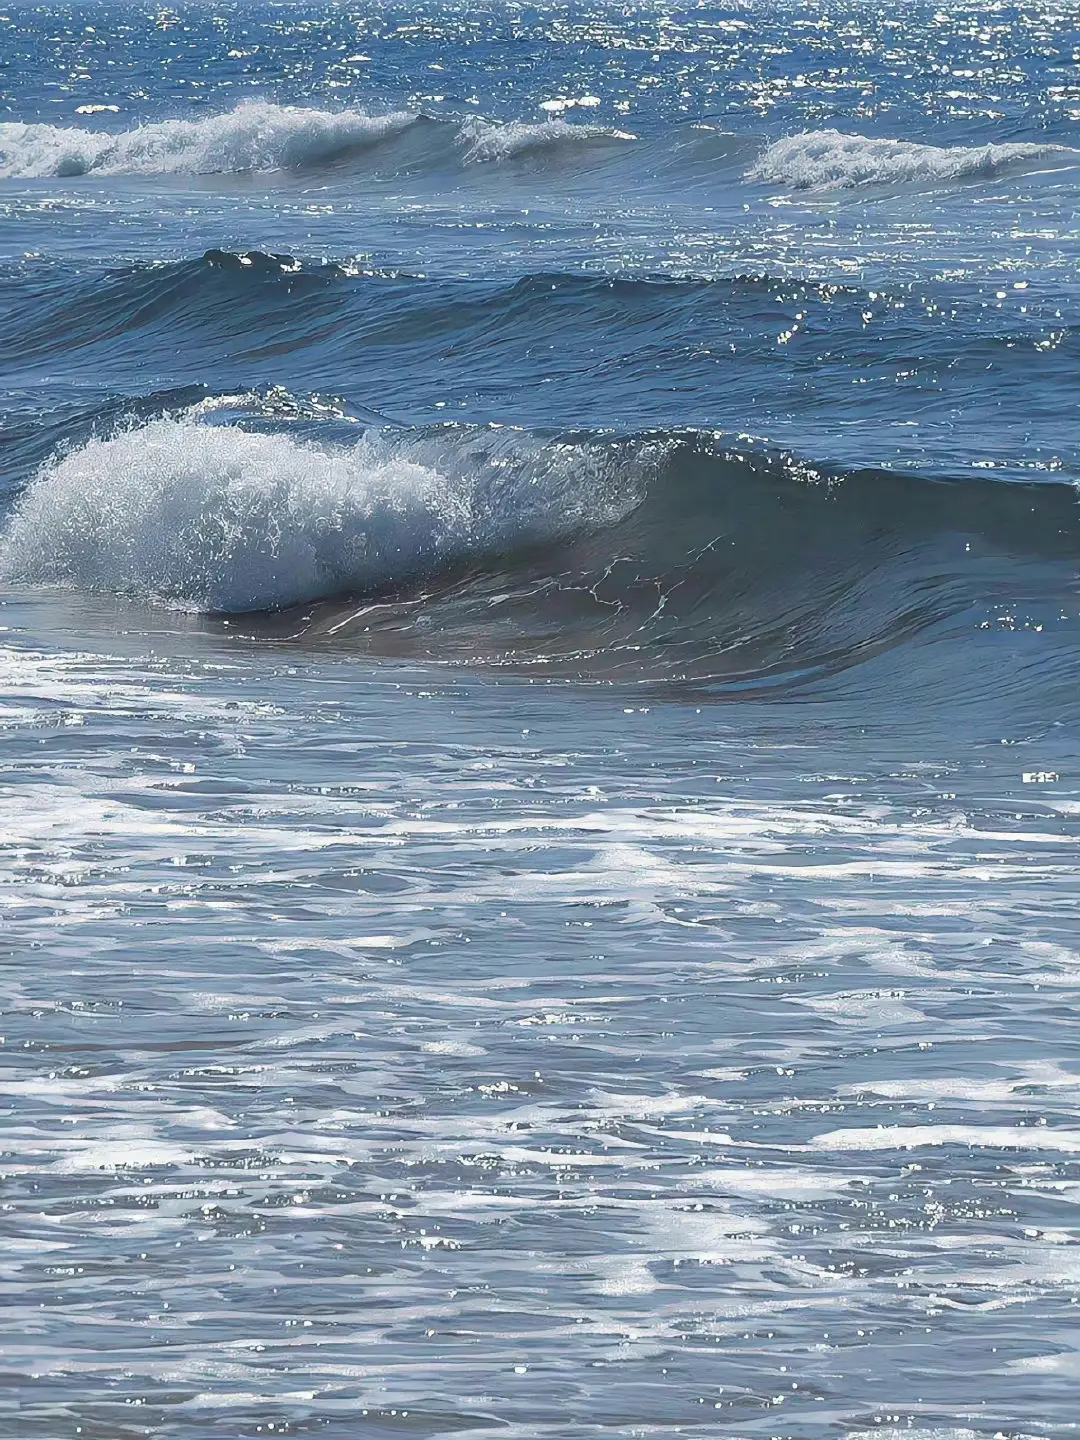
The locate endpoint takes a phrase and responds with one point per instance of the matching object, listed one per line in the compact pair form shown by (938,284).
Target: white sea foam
(489,143)
(830,160)
(218,518)
(255,135)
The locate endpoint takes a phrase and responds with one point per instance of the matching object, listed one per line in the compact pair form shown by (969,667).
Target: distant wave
(829,160)
(259,136)
(254,136)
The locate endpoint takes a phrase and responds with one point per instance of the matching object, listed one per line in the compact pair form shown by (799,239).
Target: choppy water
(540,774)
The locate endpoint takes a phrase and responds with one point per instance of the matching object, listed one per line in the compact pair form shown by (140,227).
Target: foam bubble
(829,160)
(255,135)
(218,518)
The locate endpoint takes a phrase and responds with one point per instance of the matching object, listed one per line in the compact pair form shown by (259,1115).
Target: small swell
(830,160)
(287,299)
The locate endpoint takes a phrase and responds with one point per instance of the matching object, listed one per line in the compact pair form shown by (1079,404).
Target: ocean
(540,720)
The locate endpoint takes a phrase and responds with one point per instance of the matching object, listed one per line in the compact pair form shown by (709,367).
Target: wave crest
(217,518)
(830,160)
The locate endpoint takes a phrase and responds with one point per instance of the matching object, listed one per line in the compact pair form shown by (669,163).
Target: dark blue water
(539,699)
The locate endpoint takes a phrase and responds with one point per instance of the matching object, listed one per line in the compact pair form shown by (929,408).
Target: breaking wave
(830,160)
(260,136)
(669,556)
(254,136)
(218,518)
(486,142)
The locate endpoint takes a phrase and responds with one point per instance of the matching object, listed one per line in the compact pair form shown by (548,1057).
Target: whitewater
(220,519)
(539,722)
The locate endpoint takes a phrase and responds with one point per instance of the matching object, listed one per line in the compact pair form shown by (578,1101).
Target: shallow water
(540,773)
